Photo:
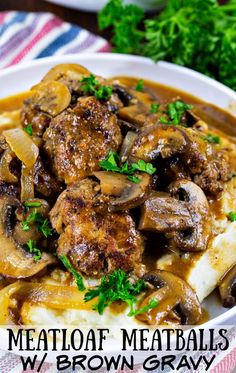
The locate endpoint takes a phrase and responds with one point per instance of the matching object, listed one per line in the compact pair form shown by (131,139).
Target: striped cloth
(26,36)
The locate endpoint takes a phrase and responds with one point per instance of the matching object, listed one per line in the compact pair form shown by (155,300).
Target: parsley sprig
(175,111)
(154,108)
(33,249)
(114,287)
(152,304)
(78,278)
(29,129)
(139,86)
(112,161)
(42,224)
(91,86)
(194,33)
(212,138)
(232,216)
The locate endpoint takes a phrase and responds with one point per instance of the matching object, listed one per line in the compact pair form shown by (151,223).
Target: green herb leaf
(113,287)
(212,138)
(232,216)
(144,167)
(32,204)
(125,21)
(91,86)
(103,93)
(25,224)
(134,179)
(42,224)
(29,129)
(77,276)
(45,228)
(194,33)
(154,108)
(139,86)
(110,163)
(152,304)
(31,247)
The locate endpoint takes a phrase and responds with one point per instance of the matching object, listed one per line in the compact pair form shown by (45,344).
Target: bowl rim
(107,57)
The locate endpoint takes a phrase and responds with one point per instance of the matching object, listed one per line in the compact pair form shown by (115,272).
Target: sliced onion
(27,183)
(22,145)
(58,297)
(5,170)
(127,145)
(10,119)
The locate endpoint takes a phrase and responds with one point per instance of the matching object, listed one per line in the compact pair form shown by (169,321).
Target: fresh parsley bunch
(200,34)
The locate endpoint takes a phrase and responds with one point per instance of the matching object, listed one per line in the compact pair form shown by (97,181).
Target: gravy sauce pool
(220,121)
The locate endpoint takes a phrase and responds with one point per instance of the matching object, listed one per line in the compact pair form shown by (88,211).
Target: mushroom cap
(172,294)
(15,262)
(227,288)
(195,238)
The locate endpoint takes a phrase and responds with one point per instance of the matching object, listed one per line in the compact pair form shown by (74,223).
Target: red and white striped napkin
(26,36)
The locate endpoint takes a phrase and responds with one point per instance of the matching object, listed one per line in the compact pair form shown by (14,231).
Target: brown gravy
(221,122)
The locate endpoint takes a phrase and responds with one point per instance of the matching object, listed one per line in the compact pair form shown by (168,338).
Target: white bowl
(19,78)
(96,5)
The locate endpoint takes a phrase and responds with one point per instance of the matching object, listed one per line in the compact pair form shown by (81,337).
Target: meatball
(95,241)
(78,138)
(38,119)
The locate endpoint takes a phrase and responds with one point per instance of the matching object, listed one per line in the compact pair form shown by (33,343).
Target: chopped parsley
(78,278)
(212,138)
(232,216)
(111,163)
(144,167)
(134,179)
(32,204)
(113,287)
(152,304)
(154,108)
(29,129)
(139,86)
(91,86)
(42,224)
(175,111)
(31,247)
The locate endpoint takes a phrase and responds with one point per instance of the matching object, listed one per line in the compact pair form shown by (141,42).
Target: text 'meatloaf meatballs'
(78,138)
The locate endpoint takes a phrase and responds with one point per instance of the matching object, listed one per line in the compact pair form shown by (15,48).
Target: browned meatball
(31,115)
(77,139)
(95,241)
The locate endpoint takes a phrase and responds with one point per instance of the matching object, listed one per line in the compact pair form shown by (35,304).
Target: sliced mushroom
(228,288)
(65,72)
(159,140)
(6,173)
(195,238)
(15,262)
(172,294)
(163,213)
(51,97)
(125,193)
(123,93)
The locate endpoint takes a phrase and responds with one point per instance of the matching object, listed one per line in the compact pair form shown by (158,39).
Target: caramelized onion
(5,170)
(27,183)
(57,297)
(127,145)
(22,145)
(9,120)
